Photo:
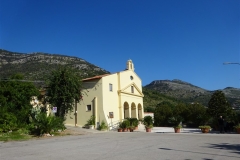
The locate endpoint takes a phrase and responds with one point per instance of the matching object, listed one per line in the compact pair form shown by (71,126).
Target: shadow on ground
(233,148)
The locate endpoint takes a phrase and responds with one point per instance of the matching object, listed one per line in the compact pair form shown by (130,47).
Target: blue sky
(166,39)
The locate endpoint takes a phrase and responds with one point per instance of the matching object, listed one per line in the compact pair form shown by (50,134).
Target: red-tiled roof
(96,77)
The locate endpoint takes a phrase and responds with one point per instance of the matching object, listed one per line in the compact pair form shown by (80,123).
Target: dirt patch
(66,132)
(70,132)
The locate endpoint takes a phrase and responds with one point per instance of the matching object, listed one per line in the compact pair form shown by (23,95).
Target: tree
(15,96)
(162,113)
(181,110)
(198,114)
(148,109)
(218,105)
(64,89)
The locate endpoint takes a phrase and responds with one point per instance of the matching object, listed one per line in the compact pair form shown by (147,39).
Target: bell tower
(130,65)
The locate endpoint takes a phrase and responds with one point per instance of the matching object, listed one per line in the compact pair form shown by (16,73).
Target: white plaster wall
(149,114)
(70,118)
(92,92)
(110,98)
(125,79)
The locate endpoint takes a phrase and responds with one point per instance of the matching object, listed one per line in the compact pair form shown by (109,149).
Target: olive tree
(64,89)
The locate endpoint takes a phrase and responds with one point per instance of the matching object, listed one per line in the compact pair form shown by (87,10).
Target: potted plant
(205,128)
(125,125)
(120,127)
(91,122)
(177,128)
(237,127)
(148,122)
(176,122)
(133,123)
(131,128)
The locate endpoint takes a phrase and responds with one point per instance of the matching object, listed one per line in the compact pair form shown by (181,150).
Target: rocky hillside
(189,93)
(35,66)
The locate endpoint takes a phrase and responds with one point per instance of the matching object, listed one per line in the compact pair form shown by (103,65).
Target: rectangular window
(89,108)
(110,87)
(132,89)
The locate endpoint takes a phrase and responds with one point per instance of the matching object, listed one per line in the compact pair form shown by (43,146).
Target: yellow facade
(118,94)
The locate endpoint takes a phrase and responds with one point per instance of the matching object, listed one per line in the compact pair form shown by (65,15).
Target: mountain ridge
(37,65)
(189,93)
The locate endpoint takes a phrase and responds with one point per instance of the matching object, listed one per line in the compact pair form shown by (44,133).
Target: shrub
(133,121)
(178,126)
(125,123)
(23,131)
(175,121)
(8,122)
(120,125)
(103,126)
(47,124)
(148,121)
(204,127)
(237,126)
(91,120)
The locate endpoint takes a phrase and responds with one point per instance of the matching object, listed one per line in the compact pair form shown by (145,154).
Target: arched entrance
(133,110)
(126,110)
(140,112)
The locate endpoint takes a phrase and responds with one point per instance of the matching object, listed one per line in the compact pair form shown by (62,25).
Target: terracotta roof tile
(95,77)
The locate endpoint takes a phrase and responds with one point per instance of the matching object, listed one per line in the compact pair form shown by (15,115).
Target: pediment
(128,90)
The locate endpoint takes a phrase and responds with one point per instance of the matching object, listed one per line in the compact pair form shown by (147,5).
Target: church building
(110,98)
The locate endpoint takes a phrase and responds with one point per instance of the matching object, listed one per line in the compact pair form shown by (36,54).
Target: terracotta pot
(238,130)
(131,130)
(177,130)
(124,129)
(120,130)
(148,129)
(136,128)
(205,130)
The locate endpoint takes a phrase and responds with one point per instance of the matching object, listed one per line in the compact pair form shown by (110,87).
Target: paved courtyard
(132,146)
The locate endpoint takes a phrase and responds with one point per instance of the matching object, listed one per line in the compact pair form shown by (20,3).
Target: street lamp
(225,63)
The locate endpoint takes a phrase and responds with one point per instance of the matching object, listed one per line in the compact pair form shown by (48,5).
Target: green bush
(148,121)
(178,126)
(8,122)
(133,121)
(46,124)
(23,131)
(204,127)
(125,123)
(103,126)
(34,112)
(120,125)
(175,121)
(237,126)
(91,120)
